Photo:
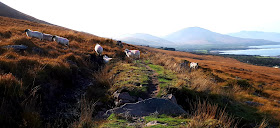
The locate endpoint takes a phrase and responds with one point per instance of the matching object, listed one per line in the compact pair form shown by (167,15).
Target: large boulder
(123,97)
(170,97)
(148,106)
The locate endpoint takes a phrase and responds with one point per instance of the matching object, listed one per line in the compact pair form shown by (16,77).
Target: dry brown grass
(86,114)
(204,114)
(45,63)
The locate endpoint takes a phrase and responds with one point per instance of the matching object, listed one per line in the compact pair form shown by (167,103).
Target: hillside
(7,11)
(272,36)
(52,85)
(202,37)
(145,39)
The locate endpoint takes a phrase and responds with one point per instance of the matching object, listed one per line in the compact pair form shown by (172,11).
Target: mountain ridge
(10,12)
(272,36)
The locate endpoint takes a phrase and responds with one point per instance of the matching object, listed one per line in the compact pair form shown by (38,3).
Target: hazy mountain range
(195,38)
(12,13)
(272,36)
(145,39)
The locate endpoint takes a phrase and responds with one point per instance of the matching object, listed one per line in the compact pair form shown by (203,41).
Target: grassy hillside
(12,13)
(51,85)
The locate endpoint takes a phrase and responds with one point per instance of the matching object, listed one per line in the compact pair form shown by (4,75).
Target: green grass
(130,77)
(166,78)
(172,122)
(115,122)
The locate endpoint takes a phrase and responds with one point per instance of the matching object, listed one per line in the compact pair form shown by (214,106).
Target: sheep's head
(53,37)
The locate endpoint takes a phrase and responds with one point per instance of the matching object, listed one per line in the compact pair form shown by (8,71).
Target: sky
(112,18)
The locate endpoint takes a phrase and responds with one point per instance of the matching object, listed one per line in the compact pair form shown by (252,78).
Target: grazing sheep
(132,53)
(61,40)
(98,49)
(193,65)
(34,34)
(106,59)
(47,37)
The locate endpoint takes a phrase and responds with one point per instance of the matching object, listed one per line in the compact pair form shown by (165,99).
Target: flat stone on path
(148,106)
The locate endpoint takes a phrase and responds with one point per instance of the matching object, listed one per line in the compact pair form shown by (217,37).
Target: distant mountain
(197,35)
(272,36)
(144,39)
(7,11)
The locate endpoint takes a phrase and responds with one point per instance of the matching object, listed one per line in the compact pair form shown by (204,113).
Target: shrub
(6,34)
(10,86)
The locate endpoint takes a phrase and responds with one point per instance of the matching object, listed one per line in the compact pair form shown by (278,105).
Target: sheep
(98,49)
(106,59)
(34,34)
(47,37)
(193,65)
(61,40)
(132,53)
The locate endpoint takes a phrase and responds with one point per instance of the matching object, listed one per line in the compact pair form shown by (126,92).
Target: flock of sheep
(130,53)
(64,41)
(49,37)
(135,54)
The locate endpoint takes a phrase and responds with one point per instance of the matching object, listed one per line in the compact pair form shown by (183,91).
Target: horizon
(115,18)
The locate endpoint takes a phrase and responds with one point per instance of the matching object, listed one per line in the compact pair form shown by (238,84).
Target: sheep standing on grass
(34,34)
(132,53)
(106,59)
(193,65)
(47,37)
(61,40)
(98,49)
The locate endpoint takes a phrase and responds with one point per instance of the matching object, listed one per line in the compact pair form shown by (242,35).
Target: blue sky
(112,18)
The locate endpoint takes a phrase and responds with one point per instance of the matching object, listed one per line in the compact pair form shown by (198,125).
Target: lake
(263,50)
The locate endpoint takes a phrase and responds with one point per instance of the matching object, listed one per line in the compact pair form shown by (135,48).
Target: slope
(7,11)
(145,39)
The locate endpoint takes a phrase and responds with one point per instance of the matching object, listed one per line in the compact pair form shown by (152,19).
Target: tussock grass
(204,114)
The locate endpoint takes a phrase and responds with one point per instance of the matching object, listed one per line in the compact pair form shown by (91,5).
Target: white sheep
(98,49)
(47,37)
(193,65)
(106,59)
(34,34)
(132,53)
(61,40)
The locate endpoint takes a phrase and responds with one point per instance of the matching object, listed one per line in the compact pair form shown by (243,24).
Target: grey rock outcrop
(148,106)
(16,47)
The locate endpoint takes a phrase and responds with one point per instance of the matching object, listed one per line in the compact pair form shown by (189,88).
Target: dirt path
(153,84)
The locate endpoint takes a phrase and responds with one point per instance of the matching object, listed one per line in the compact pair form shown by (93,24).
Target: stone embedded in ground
(251,103)
(152,123)
(148,106)
(126,96)
(16,47)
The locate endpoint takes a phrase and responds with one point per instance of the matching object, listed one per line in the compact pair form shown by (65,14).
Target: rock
(121,101)
(171,98)
(139,99)
(152,123)
(16,47)
(125,96)
(251,103)
(148,106)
